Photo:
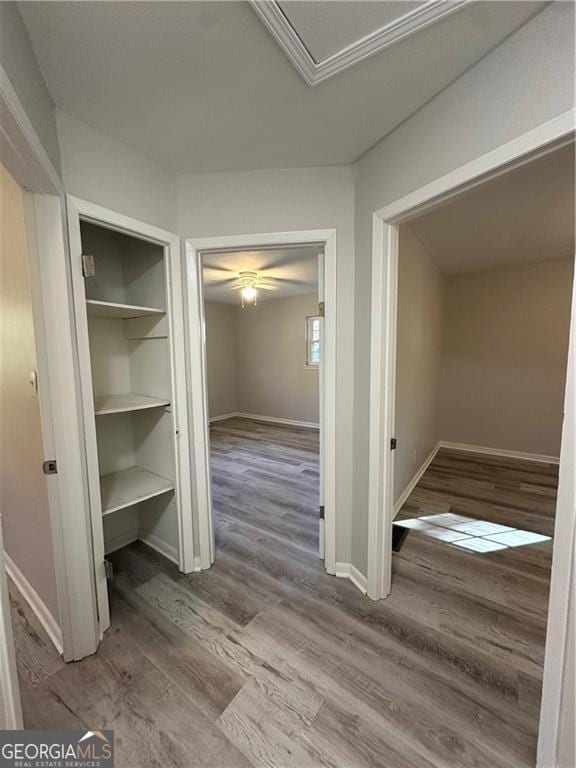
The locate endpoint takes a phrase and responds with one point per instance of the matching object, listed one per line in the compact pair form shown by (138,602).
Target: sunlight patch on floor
(470,533)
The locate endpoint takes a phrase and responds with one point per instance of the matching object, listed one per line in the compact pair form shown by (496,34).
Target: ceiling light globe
(249,294)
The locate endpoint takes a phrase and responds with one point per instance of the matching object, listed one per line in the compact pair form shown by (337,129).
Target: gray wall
(504,357)
(221,343)
(271,377)
(523,83)
(481,357)
(278,201)
(109,173)
(19,62)
(418,357)
(255,358)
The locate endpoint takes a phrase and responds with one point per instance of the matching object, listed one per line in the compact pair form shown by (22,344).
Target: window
(312,342)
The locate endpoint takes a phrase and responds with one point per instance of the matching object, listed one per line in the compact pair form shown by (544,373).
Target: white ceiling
(292,272)
(526,215)
(203,86)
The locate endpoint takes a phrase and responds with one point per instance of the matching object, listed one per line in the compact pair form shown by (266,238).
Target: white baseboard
(271,419)
(223,417)
(349,571)
(35,602)
(415,480)
(278,420)
(166,550)
(542,458)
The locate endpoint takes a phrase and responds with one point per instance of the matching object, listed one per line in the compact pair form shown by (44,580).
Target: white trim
(535,143)
(382,410)
(403,498)
(35,602)
(315,72)
(541,140)
(24,156)
(557,707)
(198,373)
(542,458)
(22,151)
(198,405)
(349,571)
(280,420)
(71,534)
(271,419)
(223,417)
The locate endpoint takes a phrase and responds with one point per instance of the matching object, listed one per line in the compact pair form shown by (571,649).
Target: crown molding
(315,72)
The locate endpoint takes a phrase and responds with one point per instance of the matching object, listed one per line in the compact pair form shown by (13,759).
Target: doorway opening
(478,292)
(265,304)
(263,328)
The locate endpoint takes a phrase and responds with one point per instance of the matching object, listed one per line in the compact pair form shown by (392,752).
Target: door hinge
(50,467)
(108,570)
(321,309)
(393,444)
(321,512)
(88,265)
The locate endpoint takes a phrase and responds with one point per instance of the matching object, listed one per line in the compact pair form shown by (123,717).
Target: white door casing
(325,238)
(82,210)
(557,687)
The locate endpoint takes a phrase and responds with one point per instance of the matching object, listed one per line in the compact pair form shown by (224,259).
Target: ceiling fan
(247,281)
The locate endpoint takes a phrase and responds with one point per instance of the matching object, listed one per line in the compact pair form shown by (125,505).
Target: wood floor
(267,661)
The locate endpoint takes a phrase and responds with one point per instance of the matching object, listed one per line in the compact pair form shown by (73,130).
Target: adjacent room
(263,367)
(484,301)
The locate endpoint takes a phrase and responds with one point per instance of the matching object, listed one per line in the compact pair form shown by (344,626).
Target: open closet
(131,360)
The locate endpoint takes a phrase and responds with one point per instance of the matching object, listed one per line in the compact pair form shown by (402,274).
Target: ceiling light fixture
(249,295)
(248,283)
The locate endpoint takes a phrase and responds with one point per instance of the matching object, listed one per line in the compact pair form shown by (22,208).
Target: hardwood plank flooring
(267,661)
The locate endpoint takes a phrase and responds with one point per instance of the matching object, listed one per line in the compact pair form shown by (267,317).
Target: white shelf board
(104,404)
(110,309)
(130,486)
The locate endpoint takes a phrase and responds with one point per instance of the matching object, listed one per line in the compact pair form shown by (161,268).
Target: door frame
(385,224)
(82,210)
(200,436)
(26,159)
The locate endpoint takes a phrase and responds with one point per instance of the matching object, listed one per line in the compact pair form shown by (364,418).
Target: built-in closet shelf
(130,486)
(121,311)
(125,403)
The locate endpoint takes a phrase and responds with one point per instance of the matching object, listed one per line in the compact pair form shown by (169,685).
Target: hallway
(267,661)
